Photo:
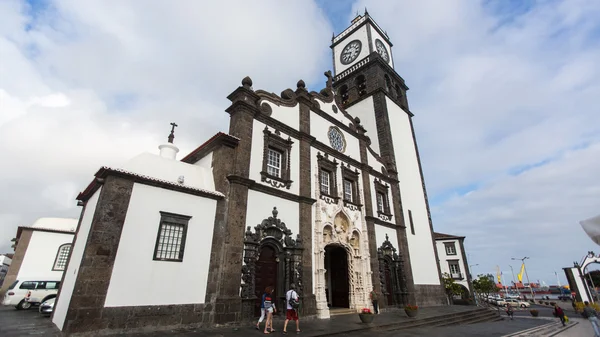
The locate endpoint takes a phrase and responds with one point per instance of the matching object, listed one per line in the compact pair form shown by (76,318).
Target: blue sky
(504,95)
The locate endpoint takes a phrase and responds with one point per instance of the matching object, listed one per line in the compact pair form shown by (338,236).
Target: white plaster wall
(421,247)
(161,282)
(360,34)
(319,128)
(365,111)
(260,207)
(207,173)
(256,158)
(158,167)
(375,35)
(381,231)
(289,116)
(444,258)
(41,253)
(328,108)
(68,284)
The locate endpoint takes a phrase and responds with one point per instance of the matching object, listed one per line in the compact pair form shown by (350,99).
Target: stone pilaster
(91,286)
(15,265)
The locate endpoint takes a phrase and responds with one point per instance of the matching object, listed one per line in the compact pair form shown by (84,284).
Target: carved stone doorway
(338,287)
(266,274)
(389,281)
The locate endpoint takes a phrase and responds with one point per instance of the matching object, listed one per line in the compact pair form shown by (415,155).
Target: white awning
(591,227)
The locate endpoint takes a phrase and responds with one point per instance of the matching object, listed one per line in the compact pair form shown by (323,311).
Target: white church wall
(359,34)
(328,109)
(207,174)
(420,244)
(364,110)
(256,158)
(444,258)
(289,116)
(319,128)
(63,301)
(260,207)
(41,254)
(381,231)
(151,281)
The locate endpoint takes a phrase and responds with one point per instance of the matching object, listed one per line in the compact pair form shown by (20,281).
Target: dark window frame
(275,142)
(330,166)
(450,244)
(457,264)
(172,219)
(66,258)
(352,176)
(412,223)
(383,189)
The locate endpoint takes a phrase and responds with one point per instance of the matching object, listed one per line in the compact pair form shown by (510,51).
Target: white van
(27,292)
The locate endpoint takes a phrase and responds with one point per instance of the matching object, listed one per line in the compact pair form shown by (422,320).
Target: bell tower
(368,87)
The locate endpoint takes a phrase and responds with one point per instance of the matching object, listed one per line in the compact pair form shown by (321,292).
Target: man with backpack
(292,304)
(590,313)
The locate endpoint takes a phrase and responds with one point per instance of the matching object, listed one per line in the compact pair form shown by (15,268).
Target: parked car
(27,292)
(516,303)
(47,307)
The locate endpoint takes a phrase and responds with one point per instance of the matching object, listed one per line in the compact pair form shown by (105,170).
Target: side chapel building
(321,189)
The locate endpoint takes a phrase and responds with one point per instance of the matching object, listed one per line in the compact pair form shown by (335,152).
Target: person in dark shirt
(558,312)
(262,308)
(269,305)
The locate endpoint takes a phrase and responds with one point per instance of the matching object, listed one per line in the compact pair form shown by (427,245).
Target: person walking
(292,303)
(509,310)
(262,308)
(374,298)
(558,312)
(269,307)
(592,316)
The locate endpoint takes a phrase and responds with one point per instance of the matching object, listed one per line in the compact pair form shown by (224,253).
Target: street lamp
(471,277)
(525,268)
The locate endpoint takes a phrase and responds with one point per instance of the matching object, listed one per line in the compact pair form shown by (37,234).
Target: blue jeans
(594,321)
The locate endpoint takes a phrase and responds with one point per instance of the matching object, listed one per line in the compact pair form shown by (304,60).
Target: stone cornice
(253,185)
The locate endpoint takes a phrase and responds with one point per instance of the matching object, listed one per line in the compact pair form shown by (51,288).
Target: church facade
(320,189)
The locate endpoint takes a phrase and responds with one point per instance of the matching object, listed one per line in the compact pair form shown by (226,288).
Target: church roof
(143,179)
(442,236)
(209,145)
(60,224)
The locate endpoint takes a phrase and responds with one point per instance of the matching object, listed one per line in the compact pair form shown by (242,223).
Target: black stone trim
(284,146)
(466,263)
(383,189)
(380,222)
(352,176)
(450,244)
(369,39)
(412,224)
(329,166)
(253,185)
(367,20)
(176,219)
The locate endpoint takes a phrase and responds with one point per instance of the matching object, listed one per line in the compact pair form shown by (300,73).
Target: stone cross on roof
(172,135)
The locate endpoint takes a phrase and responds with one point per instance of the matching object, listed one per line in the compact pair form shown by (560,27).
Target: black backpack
(294,303)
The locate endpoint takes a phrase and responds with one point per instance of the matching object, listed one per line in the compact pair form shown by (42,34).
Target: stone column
(309,306)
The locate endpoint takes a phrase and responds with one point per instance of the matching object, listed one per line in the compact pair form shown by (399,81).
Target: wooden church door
(266,274)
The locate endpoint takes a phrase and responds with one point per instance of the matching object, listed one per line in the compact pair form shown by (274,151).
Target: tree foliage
(452,288)
(485,285)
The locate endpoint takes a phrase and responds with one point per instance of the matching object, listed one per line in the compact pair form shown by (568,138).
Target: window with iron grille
(62,256)
(170,240)
(274,163)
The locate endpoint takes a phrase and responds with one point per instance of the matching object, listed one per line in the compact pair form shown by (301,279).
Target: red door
(266,274)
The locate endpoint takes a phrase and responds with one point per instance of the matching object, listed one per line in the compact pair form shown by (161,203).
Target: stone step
(341,311)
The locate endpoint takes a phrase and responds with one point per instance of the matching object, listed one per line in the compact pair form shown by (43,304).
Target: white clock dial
(382,50)
(351,52)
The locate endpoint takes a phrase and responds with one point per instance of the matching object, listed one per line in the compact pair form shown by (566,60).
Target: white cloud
(89,84)
(494,90)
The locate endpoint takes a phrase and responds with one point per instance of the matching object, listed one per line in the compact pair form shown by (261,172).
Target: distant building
(5,260)
(453,260)
(42,250)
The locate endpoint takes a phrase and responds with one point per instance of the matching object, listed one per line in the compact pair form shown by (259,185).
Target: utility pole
(526,275)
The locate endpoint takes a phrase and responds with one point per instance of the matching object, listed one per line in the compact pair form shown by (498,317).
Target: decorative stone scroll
(386,254)
(271,231)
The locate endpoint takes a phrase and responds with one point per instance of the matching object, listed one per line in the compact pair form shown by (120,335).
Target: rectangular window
(28,285)
(170,241)
(325,180)
(450,248)
(454,269)
(60,263)
(381,202)
(412,224)
(348,195)
(274,162)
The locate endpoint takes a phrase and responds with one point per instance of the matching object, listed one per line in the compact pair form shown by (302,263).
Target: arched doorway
(337,280)
(266,274)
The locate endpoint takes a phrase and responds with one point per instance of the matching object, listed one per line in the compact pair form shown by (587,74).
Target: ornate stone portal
(333,227)
(274,233)
(391,275)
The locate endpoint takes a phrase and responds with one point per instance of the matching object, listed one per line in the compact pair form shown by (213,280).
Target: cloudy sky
(504,95)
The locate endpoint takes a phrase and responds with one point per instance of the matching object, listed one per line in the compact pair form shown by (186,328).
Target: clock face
(382,50)
(350,52)
(336,139)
